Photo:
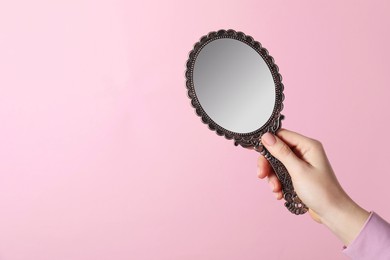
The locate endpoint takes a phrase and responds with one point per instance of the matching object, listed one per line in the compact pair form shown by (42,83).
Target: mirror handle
(293,202)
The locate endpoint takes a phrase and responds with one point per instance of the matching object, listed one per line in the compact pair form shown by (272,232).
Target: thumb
(281,151)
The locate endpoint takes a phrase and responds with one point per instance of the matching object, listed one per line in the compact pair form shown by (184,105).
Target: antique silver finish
(221,122)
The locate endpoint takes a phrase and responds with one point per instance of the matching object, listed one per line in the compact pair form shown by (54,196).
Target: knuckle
(317,144)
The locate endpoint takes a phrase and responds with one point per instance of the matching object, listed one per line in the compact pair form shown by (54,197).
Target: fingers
(281,151)
(278,195)
(263,167)
(274,183)
(293,139)
(309,150)
(265,171)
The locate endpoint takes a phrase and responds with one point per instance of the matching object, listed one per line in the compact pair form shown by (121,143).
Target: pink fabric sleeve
(373,241)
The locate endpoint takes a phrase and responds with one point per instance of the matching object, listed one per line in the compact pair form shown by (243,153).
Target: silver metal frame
(272,125)
(252,139)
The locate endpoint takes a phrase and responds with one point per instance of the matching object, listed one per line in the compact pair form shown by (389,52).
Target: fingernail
(276,195)
(268,139)
(271,185)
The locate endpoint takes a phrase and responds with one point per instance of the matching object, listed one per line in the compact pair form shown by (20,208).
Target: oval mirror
(236,88)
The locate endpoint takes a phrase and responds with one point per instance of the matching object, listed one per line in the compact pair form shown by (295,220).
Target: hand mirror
(235,87)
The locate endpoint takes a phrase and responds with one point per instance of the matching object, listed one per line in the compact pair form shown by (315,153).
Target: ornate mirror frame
(246,140)
(252,139)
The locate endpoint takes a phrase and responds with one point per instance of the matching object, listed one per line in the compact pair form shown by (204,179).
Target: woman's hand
(314,181)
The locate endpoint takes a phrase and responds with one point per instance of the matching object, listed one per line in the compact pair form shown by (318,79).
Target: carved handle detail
(293,202)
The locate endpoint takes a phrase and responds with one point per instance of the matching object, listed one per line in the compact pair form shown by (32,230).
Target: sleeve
(373,241)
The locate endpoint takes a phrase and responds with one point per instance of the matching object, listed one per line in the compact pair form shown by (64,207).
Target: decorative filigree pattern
(248,140)
(293,202)
(272,125)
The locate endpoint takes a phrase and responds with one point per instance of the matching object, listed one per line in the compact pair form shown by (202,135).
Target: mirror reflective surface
(234,85)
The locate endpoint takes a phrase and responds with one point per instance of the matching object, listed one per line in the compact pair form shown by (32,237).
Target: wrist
(345,219)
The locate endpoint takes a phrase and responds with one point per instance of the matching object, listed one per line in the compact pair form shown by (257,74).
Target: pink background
(102,156)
